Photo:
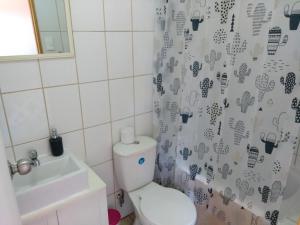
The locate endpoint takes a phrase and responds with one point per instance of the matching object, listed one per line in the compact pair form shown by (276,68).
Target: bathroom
(142,112)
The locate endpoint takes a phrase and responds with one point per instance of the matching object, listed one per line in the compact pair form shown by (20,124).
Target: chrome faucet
(24,166)
(33,155)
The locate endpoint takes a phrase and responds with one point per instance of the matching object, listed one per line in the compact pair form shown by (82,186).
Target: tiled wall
(88,99)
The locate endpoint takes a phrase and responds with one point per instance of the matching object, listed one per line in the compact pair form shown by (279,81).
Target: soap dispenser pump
(56,144)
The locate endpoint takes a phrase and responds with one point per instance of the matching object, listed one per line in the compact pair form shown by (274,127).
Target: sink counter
(96,191)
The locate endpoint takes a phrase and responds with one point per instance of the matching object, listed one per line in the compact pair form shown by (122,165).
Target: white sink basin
(54,180)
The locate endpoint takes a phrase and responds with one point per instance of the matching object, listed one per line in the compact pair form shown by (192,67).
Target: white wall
(9,213)
(88,99)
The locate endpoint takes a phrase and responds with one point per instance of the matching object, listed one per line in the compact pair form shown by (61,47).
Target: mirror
(33,29)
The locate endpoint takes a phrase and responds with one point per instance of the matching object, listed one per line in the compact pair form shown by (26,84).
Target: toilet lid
(168,207)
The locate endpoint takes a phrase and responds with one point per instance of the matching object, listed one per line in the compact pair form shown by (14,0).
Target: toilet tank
(134,163)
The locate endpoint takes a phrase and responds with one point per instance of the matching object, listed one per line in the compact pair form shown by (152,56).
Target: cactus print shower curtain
(227,101)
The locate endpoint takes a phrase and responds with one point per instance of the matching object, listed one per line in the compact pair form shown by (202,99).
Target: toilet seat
(166,206)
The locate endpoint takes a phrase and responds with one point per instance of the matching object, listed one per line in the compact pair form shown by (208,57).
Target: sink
(54,180)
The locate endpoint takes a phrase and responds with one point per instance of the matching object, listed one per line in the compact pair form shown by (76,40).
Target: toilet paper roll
(127,135)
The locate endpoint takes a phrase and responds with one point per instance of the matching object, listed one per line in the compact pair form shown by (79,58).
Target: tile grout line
(99,164)
(40,139)
(109,94)
(133,69)
(8,128)
(80,129)
(44,95)
(73,84)
(117,31)
(13,145)
(79,93)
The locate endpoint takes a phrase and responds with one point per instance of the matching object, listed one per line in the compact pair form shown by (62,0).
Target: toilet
(154,204)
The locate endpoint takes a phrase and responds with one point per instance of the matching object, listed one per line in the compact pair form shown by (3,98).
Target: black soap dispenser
(56,144)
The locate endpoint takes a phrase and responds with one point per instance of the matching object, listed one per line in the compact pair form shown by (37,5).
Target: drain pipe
(9,213)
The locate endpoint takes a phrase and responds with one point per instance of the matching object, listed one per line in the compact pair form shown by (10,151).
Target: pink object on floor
(114,216)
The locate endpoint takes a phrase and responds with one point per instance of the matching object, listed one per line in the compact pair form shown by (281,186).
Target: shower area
(227,107)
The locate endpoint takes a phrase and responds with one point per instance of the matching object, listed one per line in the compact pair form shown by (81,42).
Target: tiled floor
(128,220)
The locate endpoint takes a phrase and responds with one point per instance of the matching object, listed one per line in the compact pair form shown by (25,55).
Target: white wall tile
(105,172)
(90,56)
(143,15)
(63,106)
(21,75)
(58,72)
(118,125)
(111,201)
(42,147)
(119,54)
(143,94)
(121,95)
(4,127)
(9,154)
(95,103)
(143,52)
(26,116)
(74,142)
(87,16)
(143,125)
(117,15)
(117,187)
(127,206)
(98,144)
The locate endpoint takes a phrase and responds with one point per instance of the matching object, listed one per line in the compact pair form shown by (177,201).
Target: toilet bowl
(157,205)
(154,204)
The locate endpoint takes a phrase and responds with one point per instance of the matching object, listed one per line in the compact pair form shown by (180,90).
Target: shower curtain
(227,103)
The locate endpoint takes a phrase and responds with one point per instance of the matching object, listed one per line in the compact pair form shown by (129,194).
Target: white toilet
(154,204)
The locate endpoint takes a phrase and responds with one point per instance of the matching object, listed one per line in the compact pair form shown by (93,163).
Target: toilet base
(153,190)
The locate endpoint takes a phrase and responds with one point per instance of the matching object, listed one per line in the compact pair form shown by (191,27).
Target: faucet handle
(33,155)
(12,168)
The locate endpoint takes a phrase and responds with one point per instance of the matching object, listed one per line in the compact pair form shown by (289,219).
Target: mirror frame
(69,54)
